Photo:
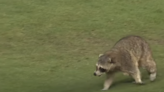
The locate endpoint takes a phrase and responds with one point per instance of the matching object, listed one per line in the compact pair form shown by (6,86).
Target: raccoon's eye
(102,69)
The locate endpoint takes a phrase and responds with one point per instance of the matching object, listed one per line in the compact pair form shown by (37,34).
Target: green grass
(53,45)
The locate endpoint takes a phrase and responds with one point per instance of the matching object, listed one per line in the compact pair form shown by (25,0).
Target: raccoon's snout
(94,74)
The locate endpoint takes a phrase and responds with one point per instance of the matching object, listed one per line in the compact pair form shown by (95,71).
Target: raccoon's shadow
(130,80)
(127,80)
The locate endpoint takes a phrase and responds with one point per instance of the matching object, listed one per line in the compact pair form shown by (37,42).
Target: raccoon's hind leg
(151,68)
(137,76)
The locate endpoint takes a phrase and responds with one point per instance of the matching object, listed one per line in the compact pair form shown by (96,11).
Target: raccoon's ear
(110,60)
(100,55)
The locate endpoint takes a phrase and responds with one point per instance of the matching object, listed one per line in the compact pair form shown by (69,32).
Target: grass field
(53,45)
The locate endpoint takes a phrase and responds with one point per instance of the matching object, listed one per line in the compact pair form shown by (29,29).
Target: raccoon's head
(104,65)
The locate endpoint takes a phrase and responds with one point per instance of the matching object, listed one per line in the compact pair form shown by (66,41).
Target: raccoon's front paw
(105,89)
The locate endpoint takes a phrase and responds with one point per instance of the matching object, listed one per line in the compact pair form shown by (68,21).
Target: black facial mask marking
(102,69)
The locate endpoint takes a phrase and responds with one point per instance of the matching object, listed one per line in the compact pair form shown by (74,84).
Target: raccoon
(127,55)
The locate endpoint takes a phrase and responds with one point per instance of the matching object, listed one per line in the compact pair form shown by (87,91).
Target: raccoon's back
(132,43)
